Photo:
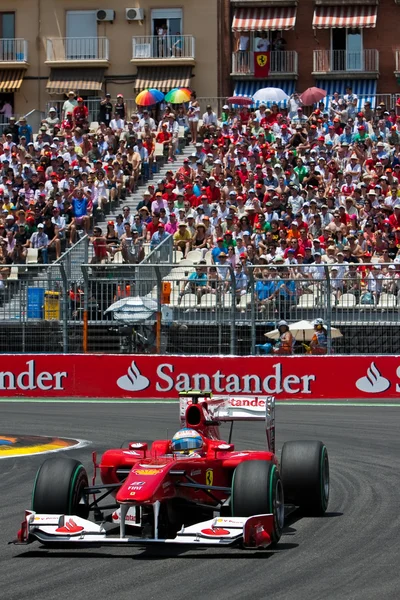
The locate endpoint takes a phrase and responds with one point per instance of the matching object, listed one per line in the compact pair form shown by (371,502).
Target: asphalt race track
(352,553)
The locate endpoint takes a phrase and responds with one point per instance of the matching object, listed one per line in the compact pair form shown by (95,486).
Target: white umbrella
(303,331)
(270,94)
(133,309)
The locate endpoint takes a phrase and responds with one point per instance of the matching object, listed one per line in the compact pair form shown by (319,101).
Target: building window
(81,34)
(347,49)
(260,41)
(7,25)
(166,22)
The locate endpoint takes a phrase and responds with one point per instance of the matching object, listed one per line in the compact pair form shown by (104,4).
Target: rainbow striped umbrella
(178,96)
(149,97)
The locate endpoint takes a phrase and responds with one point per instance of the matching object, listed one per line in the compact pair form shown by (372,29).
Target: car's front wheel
(59,488)
(257,489)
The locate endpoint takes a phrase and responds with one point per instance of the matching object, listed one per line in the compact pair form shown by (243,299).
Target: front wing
(65,530)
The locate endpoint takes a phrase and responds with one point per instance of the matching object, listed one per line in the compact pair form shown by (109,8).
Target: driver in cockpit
(187,441)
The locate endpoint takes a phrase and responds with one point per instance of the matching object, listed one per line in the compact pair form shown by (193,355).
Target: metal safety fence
(160,307)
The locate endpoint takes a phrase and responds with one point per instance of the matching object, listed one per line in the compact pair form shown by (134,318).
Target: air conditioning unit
(134,14)
(105,15)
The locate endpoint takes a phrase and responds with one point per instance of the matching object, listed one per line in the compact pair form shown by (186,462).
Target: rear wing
(232,408)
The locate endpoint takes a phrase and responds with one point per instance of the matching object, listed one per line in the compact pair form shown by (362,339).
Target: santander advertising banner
(152,376)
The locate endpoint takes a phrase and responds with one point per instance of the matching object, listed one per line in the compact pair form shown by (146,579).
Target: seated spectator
(40,242)
(196,282)
(183,239)
(99,246)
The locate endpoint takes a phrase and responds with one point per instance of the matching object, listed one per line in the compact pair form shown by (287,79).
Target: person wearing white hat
(69,105)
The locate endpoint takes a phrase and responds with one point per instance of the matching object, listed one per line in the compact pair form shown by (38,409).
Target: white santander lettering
(11,381)
(201,382)
(288,381)
(248,388)
(28,380)
(231,383)
(164,377)
(182,382)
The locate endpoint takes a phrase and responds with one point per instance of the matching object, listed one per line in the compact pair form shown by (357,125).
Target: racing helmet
(283,324)
(187,440)
(318,323)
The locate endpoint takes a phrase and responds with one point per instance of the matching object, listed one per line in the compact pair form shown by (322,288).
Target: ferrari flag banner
(152,376)
(261,64)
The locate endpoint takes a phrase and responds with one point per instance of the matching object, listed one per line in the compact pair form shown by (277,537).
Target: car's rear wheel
(59,488)
(305,476)
(257,489)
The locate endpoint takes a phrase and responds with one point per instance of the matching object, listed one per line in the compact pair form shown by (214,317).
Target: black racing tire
(305,476)
(257,489)
(59,488)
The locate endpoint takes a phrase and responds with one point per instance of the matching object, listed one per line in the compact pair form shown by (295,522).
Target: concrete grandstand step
(132,200)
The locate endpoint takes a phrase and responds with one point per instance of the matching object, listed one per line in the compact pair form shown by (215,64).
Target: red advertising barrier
(148,376)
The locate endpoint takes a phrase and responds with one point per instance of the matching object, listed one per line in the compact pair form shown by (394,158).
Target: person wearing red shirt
(189,196)
(244,115)
(80,114)
(186,171)
(165,138)
(326,233)
(168,194)
(152,227)
(294,247)
(348,188)
(212,191)
(394,219)
(243,173)
(304,241)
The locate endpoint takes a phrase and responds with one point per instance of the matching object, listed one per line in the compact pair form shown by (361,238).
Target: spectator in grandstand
(196,282)
(183,239)
(158,236)
(40,242)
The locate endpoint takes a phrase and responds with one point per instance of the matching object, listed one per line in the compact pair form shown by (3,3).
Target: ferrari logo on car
(147,472)
(209,476)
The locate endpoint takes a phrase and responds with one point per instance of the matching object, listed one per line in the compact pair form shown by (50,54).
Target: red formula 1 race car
(194,489)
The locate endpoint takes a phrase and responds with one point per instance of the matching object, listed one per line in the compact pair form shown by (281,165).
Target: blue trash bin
(35,303)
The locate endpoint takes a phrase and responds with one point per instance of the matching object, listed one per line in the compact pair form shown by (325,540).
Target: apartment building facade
(328,43)
(48,47)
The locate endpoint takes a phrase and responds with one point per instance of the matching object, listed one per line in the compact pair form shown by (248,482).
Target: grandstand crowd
(283,190)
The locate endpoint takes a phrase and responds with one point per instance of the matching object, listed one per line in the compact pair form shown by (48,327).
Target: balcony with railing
(91,51)
(13,53)
(169,50)
(332,64)
(283,63)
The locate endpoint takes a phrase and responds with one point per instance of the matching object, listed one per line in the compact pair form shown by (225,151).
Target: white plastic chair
(306,301)
(118,258)
(347,301)
(245,301)
(32,256)
(177,256)
(186,262)
(188,301)
(14,273)
(387,301)
(227,300)
(208,301)
(194,255)
(208,257)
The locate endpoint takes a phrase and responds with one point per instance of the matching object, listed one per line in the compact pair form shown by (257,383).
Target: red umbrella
(312,95)
(240,100)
